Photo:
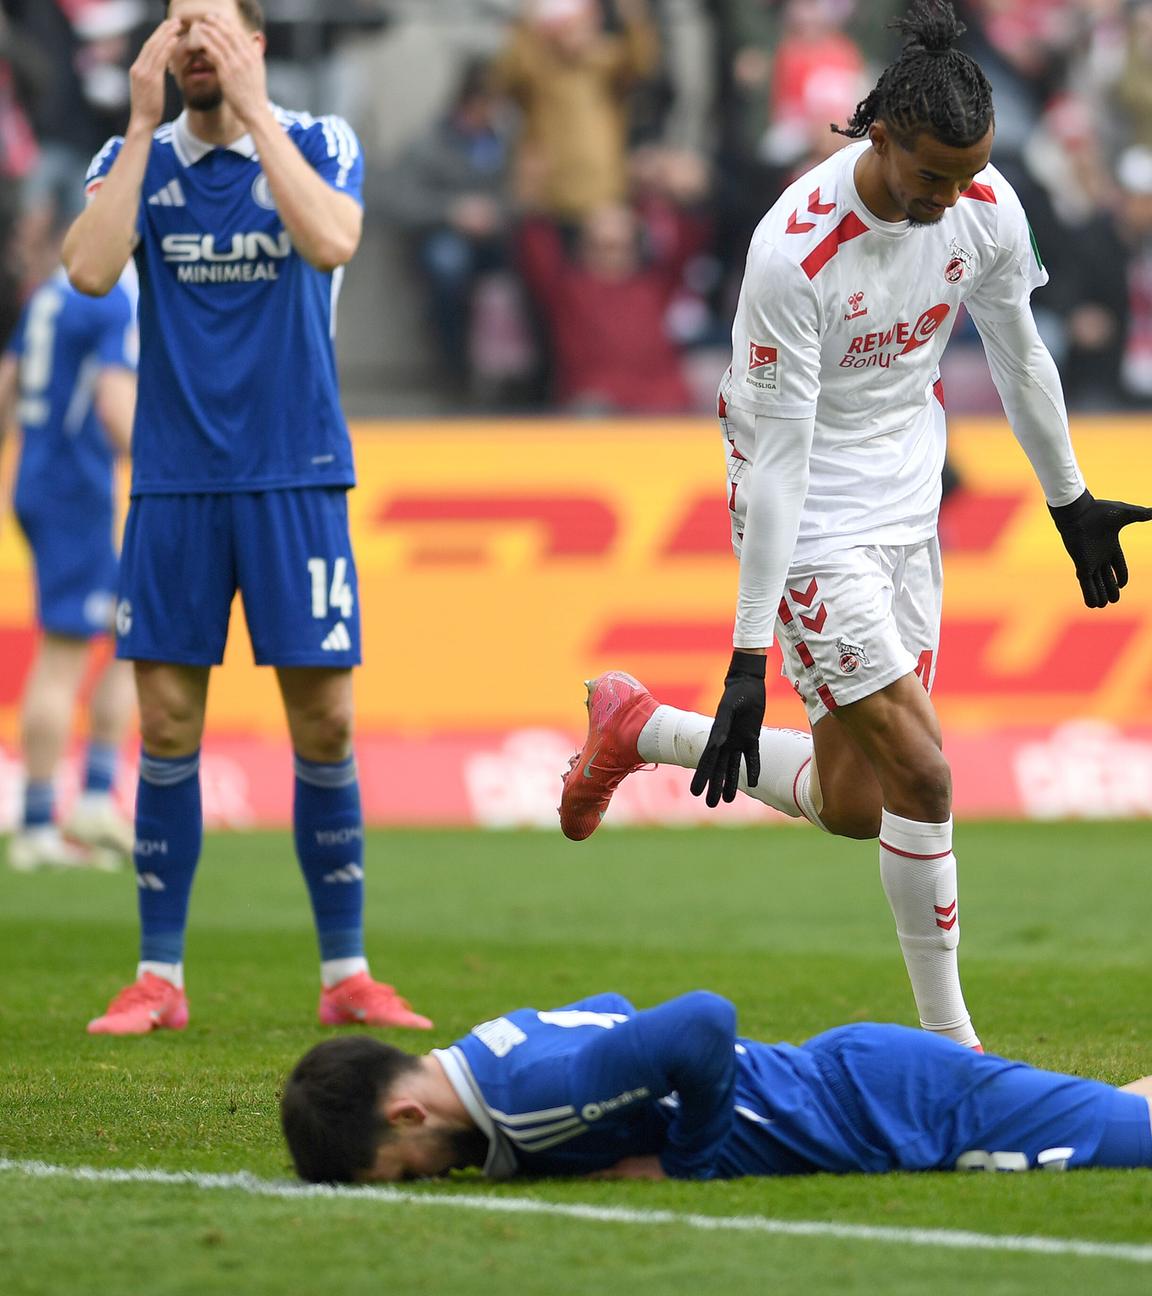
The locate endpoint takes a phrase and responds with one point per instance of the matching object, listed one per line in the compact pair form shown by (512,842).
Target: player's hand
(146,75)
(1090,529)
(239,63)
(735,731)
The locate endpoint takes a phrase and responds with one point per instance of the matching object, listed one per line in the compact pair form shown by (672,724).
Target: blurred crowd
(569,186)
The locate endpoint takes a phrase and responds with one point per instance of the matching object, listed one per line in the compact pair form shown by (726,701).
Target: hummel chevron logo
(339,640)
(946,912)
(816,207)
(170,196)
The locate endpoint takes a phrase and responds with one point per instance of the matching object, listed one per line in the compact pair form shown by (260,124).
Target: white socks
(918,870)
(333,971)
(673,737)
(173,972)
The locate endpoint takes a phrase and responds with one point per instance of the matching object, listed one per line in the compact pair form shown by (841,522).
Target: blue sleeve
(101,164)
(117,346)
(687,1045)
(333,150)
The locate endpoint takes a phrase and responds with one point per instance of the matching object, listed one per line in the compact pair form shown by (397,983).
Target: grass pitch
(790,924)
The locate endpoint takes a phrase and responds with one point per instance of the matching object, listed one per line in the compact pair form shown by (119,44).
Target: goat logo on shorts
(762,361)
(852,656)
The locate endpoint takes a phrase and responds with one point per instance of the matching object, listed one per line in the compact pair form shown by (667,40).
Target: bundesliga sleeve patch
(763,362)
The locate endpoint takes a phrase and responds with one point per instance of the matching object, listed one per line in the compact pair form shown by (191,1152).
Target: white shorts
(856,620)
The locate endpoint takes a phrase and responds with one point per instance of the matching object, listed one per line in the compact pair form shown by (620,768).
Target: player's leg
(96,818)
(46,722)
(1142,1086)
(893,621)
(298,577)
(176,589)
(75,567)
(927,1104)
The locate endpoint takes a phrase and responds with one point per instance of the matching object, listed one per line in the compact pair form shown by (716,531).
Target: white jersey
(844,316)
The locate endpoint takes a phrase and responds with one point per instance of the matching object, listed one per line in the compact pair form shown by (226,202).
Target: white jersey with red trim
(845,317)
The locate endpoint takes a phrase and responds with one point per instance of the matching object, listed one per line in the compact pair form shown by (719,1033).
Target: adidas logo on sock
(339,640)
(346,873)
(170,196)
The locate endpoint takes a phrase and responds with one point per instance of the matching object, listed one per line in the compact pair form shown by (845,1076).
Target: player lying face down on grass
(600,1088)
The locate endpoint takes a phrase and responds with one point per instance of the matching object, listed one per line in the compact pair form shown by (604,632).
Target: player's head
(354,1111)
(191,68)
(929,117)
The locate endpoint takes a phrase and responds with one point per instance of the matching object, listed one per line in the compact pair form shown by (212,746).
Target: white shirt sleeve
(774,486)
(1029,385)
(775,338)
(1015,270)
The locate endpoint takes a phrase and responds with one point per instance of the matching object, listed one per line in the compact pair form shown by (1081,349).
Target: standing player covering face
(832,414)
(241,217)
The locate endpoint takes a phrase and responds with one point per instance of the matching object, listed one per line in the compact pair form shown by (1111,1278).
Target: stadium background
(501,564)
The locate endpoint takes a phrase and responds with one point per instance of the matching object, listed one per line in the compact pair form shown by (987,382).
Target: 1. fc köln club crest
(762,366)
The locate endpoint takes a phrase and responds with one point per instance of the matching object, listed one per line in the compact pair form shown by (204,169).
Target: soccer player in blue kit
(69,376)
(241,217)
(598,1088)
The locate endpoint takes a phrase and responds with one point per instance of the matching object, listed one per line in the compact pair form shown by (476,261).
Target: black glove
(1090,529)
(735,731)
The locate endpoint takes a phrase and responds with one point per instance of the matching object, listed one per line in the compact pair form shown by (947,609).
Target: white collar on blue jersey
(191,148)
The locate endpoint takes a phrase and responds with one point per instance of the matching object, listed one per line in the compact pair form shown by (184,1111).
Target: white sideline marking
(248,1183)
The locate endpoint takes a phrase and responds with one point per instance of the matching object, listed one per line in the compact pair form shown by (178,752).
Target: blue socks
(169,830)
(329,831)
(39,804)
(100,767)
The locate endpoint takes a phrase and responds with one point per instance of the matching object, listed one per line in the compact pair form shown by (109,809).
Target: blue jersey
(574,1090)
(62,342)
(238,386)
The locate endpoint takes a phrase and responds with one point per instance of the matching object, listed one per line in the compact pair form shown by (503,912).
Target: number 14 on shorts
(325,597)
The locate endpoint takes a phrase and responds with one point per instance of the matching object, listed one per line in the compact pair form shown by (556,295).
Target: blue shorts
(289,554)
(923,1103)
(75,564)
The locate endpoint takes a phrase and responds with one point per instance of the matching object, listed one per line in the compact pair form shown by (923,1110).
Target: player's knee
(171,721)
(860,820)
(926,785)
(324,735)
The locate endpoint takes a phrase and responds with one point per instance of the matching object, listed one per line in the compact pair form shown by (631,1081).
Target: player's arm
(782,310)
(1029,385)
(116,406)
(9,382)
(686,1046)
(774,488)
(103,236)
(323,223)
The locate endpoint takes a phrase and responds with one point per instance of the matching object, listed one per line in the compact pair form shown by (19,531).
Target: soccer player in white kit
(832,412)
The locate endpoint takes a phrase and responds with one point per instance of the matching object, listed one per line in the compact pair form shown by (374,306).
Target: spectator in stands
(571,79)
(817,76)
(21,71)
(82,102)
(449,190)
(1133,89)
(1134,172)
(1070,197)
(606,307)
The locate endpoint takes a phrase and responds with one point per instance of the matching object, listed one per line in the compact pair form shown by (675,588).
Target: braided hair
(931,86)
